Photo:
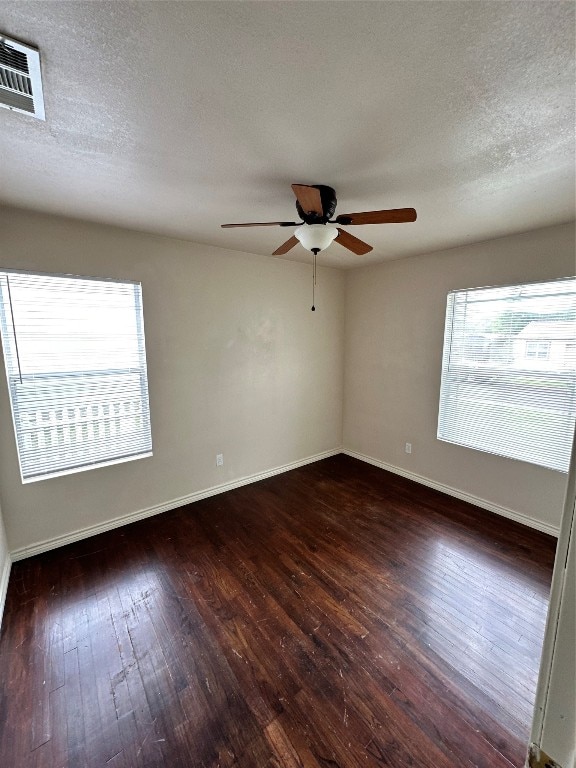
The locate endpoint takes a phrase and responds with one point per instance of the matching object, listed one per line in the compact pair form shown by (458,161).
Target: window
(76,369)
(538,350)
(509,371)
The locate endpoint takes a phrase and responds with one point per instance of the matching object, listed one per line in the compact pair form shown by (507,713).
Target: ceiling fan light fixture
(315,237)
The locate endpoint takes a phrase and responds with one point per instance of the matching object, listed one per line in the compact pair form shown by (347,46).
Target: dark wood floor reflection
(334,616)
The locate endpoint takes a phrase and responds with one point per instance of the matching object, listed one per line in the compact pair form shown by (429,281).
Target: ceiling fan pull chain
(314,279)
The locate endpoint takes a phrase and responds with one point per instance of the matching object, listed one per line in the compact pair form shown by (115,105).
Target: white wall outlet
(408,447)
(219,459)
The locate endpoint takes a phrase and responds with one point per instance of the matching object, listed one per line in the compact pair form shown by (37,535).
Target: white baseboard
(84,533)
(4,578)
(470,498)
(92,530)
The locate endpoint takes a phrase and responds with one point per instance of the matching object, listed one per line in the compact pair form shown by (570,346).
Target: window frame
(487,396)
(14,379)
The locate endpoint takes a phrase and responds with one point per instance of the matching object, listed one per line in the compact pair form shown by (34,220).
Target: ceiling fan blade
(309,198)
(392,216)
(352,243)
(263,224)
(285,247)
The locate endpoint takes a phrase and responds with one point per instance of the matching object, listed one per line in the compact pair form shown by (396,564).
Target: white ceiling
(176,117)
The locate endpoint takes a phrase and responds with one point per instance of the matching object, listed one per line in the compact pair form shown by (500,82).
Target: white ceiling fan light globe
(315,236)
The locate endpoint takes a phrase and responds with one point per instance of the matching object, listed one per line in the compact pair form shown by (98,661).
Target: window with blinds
(509,371)
(76,368)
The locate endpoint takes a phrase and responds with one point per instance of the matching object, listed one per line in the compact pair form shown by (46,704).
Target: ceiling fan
(316,204)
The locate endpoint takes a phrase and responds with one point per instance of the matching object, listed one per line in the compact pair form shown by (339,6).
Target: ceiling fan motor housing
(328,197)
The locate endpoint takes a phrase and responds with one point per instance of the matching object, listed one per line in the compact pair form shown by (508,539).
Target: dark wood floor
(335,616)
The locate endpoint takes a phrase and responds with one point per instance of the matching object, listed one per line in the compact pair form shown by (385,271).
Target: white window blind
(509,371)
(76,368)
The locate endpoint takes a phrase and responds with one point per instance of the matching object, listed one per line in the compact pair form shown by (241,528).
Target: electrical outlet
(219,459)
(408,447)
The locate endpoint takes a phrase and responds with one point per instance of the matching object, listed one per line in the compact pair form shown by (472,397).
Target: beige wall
(395,315)
(4,565)
(237,364)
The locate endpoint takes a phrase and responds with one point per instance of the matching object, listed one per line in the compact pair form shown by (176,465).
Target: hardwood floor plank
(58,730)
(75,715)
(335,616)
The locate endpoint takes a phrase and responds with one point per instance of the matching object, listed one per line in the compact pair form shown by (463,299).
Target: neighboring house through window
(540,350)
(509,371)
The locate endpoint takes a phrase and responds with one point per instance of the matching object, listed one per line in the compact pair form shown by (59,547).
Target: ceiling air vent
(20,79)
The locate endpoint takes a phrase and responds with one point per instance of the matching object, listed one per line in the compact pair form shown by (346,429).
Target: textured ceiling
(175,117)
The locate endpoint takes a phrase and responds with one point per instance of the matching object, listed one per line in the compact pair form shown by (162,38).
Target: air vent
(20,79)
